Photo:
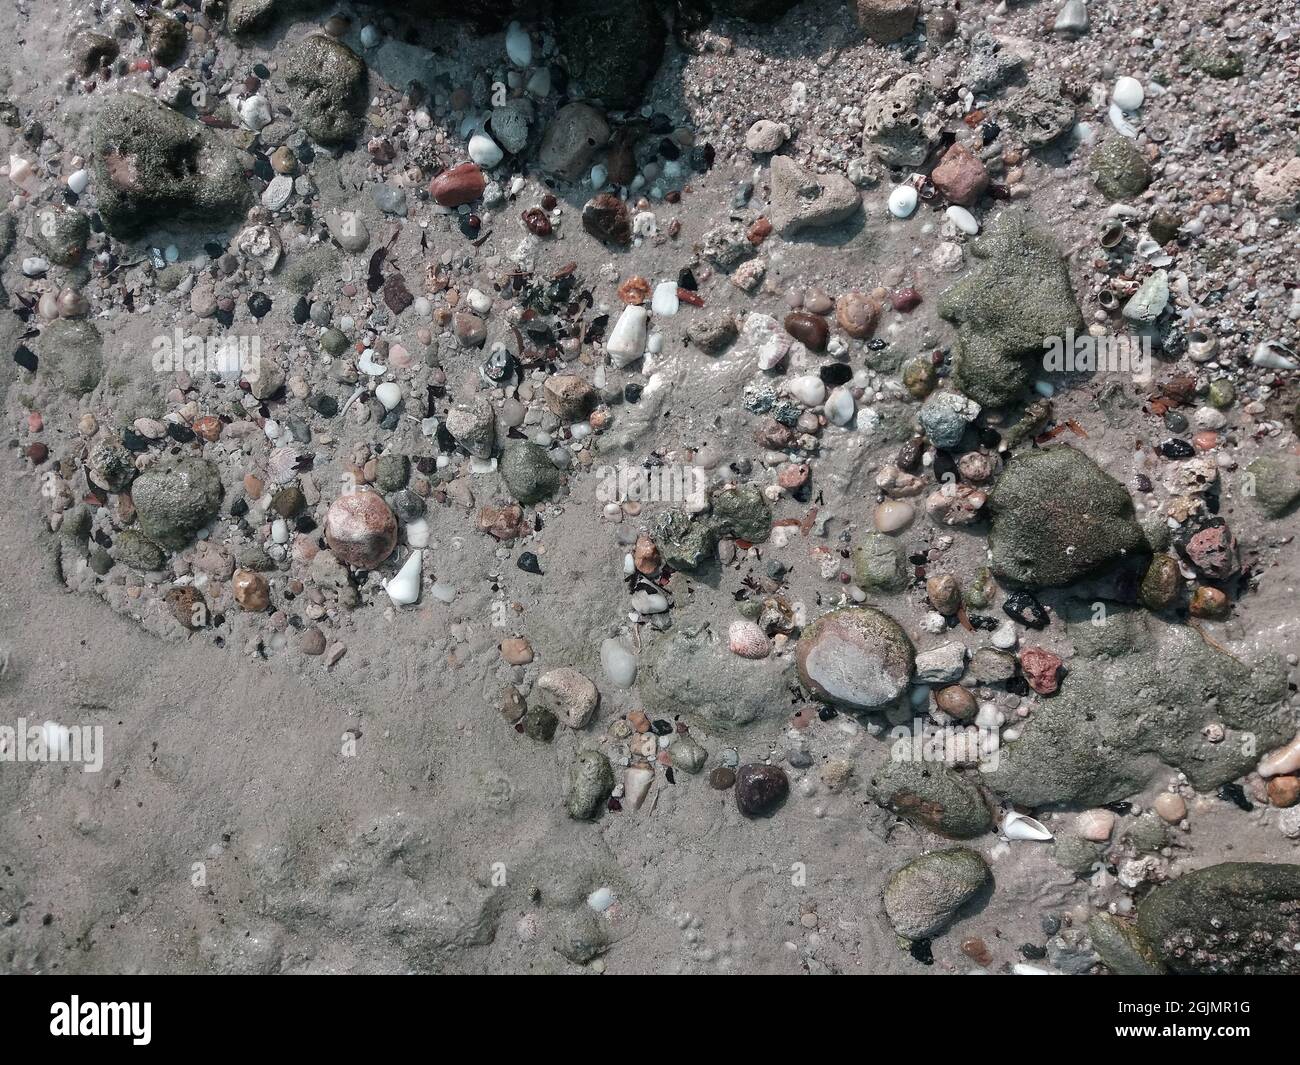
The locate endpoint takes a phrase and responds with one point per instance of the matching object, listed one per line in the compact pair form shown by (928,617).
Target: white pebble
(1128,93)
(808,389)
(519,46)
(484,150)
(389,394)
(404,589)
(664,302)
(963,219)
(78,181)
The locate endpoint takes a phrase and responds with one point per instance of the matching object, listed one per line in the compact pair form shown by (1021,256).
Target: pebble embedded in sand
(1170,806)
(360,529)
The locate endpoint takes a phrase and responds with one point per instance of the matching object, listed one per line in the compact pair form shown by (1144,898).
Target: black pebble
(660,727)
(1177,449)
(1236,794)
(301,311)
(529,564)
(920,950)
(632,393)
(1024,608)
(239,508)
(260,304)
(834,374)
(182,434)
(26,358)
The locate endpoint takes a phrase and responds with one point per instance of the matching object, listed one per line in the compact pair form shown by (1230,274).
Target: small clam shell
(1020,826)
(747,640)
(1122,125)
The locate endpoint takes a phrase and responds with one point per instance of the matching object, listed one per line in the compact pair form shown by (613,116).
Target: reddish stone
(38,453)
(960,176)
(360,529)
(759,232)
(905,299)
(1213,551)
(810,330)
(460,185)
(1042,669)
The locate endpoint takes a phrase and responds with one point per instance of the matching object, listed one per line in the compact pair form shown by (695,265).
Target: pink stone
(360,529)
(1041,669)
(960,176)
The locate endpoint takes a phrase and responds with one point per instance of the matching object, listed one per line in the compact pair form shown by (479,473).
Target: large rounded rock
(612,47)
(1237,918)
(857,657)
(174,500)
(529,473)
(72,353)
(327,81)
(931,794)
(154,165)
(1057,517)
(360,529)
(923,897)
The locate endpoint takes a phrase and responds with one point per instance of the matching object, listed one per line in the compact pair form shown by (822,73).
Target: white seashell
(902,201)
(1023,969)
(636,784)
(1201,346)
(280,531)
(404,589)
(20,170)
(649,602)
(840,406)
(963,219)
(519,46)
(1269,354)
(601,899)
(664,301)
(1019,826)
(254,113)
(1122,125)
(389,394)
(367,365)
(78,181)
(626,343)
(747,640)
(1283,760)
(1128,93)
(1122,210)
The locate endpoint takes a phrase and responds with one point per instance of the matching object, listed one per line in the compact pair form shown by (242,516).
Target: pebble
(1128,93)
(761,789)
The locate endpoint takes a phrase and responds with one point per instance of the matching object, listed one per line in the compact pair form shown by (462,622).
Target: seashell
(1107,300)
(1269,354)
(404,589)
(636,784)
(618,662)
(1121,210)
(1201,346)
(902,201)
(747,640)
(1023,969)
(1020,826)
(1095,825)
(367,365)
(389,394)
(1122,125)
(1112,234)
(1284,760)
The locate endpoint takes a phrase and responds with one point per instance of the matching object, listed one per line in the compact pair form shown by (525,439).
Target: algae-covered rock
(923,897)
(72,354)
(591,779)
(1018,295)
(696,671)
(154,165)
(932,794)
(529,473)
(1139,695)
(175,499)
(1275,483)
(742,513)
(880,564)
(1122,948)
(1057,517)
(612,47)
(327,81)
(1237,918)
(1119,169)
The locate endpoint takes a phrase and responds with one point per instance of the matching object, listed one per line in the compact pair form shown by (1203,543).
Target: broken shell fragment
(636,784)
(404,589)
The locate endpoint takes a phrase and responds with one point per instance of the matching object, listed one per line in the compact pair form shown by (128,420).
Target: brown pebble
(517,651)
(956,701)
(857,314)
(1284,791)
(722,778)
(252,592)
(810,330)
(312,642)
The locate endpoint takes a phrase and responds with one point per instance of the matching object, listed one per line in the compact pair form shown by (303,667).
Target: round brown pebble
(1209,603)
(761,789)
(857,313)
(956,701)
(312,642)
(1171,806)
(811,331)
(360,529)
(722,778)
